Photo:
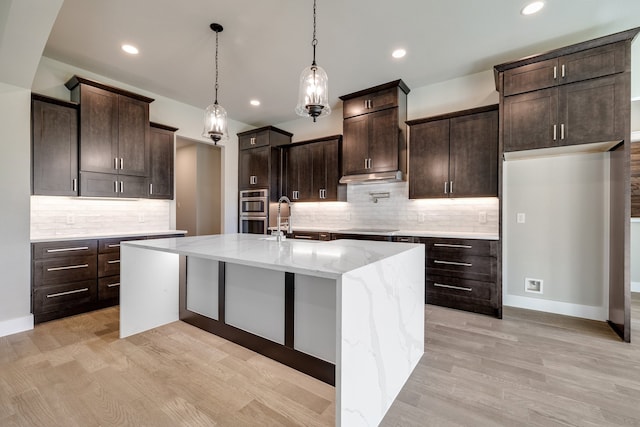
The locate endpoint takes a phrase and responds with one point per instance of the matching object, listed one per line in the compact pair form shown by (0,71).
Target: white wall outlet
(482,217)
(533,285)
(140,217)
(71,219)
(421,217)
(521,217)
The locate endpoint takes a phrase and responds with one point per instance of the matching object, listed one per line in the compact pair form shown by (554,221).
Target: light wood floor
(527,369)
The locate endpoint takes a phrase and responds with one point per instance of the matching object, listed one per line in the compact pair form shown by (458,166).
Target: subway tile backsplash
(55,217)
(478,215)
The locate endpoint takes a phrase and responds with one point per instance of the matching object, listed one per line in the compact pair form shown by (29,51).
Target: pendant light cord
(216,87)
(314,42)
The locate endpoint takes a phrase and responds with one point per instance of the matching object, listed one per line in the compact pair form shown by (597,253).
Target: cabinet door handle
(150,189)
(75,184)
(121,163)
(114,245)
(365,163)
(450,187)
(445,187)
(562,131)
(462,264)
(562,74)
(403,239)
(253,141)
(121,186)
(460,288)
(555,132)
(115,163)
(112,285)
(60,294)
(450,245)
(555,72)
(115,185)
(78,248)
(113,261)
(68,267)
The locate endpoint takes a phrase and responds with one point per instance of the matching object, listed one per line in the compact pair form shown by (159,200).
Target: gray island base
(348,312)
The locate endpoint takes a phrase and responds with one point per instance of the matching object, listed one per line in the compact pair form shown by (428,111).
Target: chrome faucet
(279,232)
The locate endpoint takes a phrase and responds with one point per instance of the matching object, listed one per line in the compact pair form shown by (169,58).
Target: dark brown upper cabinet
(574,95)
(312,170)
(259,158)
(114,134)
(454,155)
(161,159)
(54,137)
(374,130)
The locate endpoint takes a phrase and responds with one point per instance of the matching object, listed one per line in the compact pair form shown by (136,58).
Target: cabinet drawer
(64,296)
(459,247)
(306,235)
(108,264)
(64,270)
(464,267)
(455,287)
(46,250)
(109,288)
(255,140)
(113,245)
(371,102)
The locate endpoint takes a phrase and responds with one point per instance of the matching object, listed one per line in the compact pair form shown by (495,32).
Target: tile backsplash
(54,217)
(479,215)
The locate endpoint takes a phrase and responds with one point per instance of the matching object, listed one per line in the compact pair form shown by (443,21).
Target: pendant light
(215,116)
(313,97)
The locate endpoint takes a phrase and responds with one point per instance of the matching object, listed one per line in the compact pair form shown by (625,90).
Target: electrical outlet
(482,217)
(421,217)
(71,219)
(521,218)
(140,217)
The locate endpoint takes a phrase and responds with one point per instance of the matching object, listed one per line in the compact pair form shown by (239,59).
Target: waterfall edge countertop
(328,259)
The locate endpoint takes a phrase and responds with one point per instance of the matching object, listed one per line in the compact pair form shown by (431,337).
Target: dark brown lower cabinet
(462,274)
(75,276)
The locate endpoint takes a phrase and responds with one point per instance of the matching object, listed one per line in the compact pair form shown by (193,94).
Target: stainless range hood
(372,178)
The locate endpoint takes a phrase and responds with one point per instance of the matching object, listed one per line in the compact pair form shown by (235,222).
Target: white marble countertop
(328,259)
(416,233)
(107,235)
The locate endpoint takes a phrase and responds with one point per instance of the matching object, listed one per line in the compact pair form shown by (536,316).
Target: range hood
(372,178)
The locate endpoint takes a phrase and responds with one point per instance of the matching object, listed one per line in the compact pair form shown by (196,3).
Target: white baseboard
(557,307)
(13,326)
(635,286)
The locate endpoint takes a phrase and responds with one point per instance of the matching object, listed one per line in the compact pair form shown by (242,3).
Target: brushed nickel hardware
(555,132)
(75,184)
(151,189)
(68,267)
(113,285)
(113,261)
(555,72)
(562,131)
(122,186)
(115,184)
(365,163)
(450,187)
(462,264)
(302,236)
(121,163)
(450,245)
(252,141)
(253,179)
(114,245)
(403,239)
(77,248)
(60,294)
(563,71)
(445,187)
(441,285)
(115,163)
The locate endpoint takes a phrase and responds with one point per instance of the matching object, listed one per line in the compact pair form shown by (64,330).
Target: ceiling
(266,44)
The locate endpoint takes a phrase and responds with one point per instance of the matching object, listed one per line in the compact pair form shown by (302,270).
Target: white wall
(186,180)
(635,255)
(564,240)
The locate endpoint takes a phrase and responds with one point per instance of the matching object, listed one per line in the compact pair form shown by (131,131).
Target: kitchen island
(348,312)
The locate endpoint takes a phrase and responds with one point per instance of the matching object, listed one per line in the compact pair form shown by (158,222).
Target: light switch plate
(521,218)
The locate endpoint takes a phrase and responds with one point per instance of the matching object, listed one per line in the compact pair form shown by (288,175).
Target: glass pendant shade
(215,123)
(313,93)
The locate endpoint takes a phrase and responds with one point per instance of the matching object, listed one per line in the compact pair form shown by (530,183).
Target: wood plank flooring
(529,368)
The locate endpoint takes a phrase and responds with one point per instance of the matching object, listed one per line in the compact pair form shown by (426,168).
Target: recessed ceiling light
(399,53)
(532,8)
(130,49)
(254,102)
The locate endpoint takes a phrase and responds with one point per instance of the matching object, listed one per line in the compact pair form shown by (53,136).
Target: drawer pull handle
(113,285)
(114,246)
(68,267)
(463,264)
(61,294)
(79,248)
(302,236)
(113,261)
(460,288)
(448,245)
